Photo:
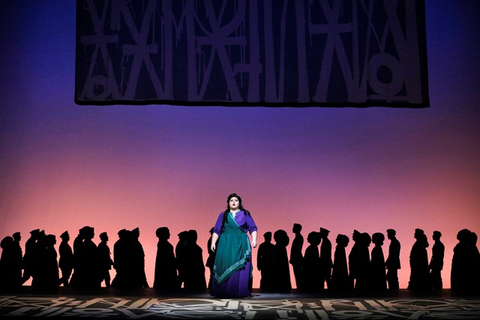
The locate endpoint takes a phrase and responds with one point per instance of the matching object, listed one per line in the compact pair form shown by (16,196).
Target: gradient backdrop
(64,166)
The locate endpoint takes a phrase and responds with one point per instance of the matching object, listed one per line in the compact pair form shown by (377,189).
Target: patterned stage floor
(147,304)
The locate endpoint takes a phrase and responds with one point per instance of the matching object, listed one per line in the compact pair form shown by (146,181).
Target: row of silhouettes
(87,265)
(317,268)
(365,270)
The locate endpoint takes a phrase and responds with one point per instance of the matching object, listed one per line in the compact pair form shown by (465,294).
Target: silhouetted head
(473,238)
(136,232)
(418,232)
(297,227)
(103,236)
(123,234)
(423,240)
(35,232)
(391,233)
(464,235)
(192,235)
(378,238)
(182,236)
(163,233)
(267,236)
(17,236)
(50,240)
(6,242)
(324,232)
(314,238)
(342,240)
(356,236)
(88,232)
(65,235)
(365,239)
(436,235)
(85,230)
(281,238)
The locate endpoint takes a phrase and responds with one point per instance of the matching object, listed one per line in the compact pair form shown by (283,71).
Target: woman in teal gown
(232,270)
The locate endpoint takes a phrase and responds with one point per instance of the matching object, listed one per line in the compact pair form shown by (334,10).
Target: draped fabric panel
(331,53)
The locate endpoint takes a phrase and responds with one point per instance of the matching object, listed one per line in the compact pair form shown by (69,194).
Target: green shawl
(233,251)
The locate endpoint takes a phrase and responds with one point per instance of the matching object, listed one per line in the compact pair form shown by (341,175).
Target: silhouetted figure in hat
(340,283)
(362,285)
(475,262)
(463,268)
(296,253)
(326,263)
(30,255)
(354,258)
(311,280)
(379,278)
(194,279)
(105,261)
(436,261)
(17,260)
(85,255)
(65,262)
(419,272)
(210,259)
(90,259)
(265,262)
(281,267)
(78,274)
(123,253)
(7,265)
(138,258)
(180,257)
(46,277)
(393,261)
(165,265)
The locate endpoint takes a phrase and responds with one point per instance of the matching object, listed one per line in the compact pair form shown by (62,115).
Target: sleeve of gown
(251,224)
(218,225)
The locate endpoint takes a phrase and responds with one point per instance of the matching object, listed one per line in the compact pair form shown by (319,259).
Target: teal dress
(233,269)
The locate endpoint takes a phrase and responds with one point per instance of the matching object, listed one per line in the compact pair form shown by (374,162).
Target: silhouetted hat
(64,235)
(162,231)
(322,230)
(182,234)
(122,233)
(35,231)
(103,235)
(378,236)
(391,231)
(85,229)
(6,242)
(464,234)
(16,234)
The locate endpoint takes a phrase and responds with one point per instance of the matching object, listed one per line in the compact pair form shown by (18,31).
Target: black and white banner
(252,52)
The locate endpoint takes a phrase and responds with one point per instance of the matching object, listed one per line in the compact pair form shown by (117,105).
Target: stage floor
(149,304)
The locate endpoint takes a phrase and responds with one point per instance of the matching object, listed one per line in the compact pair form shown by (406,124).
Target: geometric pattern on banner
(252,52)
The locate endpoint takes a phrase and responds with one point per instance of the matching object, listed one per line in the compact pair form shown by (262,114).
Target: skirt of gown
(237,286)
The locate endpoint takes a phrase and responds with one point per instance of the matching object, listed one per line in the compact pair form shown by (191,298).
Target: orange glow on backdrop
(64,166)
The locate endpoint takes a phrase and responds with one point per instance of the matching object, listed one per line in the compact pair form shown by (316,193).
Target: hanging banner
(303,53)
